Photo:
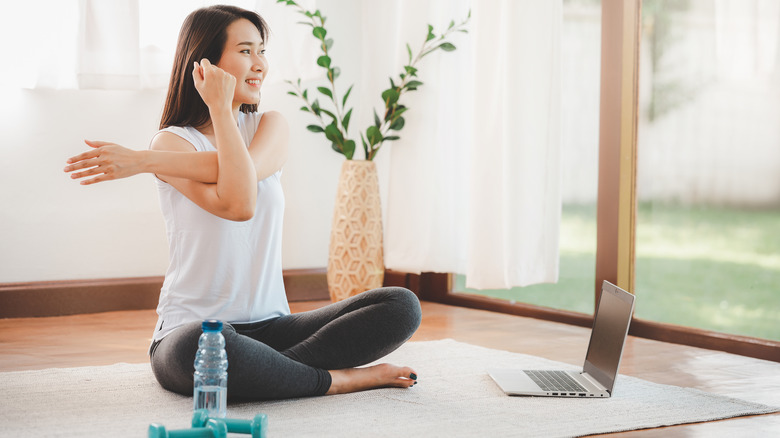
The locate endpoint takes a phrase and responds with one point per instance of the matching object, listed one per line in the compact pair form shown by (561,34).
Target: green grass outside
(705,267)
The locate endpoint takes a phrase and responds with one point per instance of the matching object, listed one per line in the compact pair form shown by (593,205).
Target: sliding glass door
(708,222)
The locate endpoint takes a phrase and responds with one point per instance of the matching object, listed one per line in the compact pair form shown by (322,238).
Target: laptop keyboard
(555,381)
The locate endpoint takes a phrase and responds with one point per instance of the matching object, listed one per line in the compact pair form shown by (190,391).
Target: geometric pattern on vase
(355,255)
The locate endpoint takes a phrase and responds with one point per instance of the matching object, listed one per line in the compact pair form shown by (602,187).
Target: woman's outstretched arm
(109,161)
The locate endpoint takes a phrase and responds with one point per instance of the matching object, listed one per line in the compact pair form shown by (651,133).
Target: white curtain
(746,39)
(129,44)
(474,180)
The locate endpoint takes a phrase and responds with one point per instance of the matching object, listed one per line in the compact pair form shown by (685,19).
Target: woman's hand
(215,86)
(106,160)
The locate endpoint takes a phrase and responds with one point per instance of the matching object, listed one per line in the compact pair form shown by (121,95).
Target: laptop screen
(610,327)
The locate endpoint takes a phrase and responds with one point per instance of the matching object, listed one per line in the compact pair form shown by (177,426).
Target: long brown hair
(203,35)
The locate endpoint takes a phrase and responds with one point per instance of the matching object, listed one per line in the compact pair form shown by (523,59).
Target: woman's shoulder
(173,138)
(254,119)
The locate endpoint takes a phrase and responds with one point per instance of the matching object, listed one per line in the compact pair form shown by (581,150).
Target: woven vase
(355,259)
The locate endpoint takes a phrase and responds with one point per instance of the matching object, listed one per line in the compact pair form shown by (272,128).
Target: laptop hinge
(594,382)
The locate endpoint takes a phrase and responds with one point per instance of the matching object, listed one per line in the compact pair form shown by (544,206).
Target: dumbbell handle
(191,433)
(212,429)
(256,427)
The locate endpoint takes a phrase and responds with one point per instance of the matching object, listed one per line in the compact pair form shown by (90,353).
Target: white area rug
(454,398)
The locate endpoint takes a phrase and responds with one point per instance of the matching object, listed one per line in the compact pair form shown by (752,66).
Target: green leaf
(430,34)
(345,121)
(409,49)
(324,61)
(329,43)
(333,134)
(390,96)
(319,32)
(346,95)
(349,149)
(392,137)
(377,122)
(325,91)
(413,85)
(306,23)
(336,148)
(447,47)
(306,95)
(292,93)
(398,124)
(332,116)
(410,70)
(398,111)
(303,108)
(335,71)
(452,23)
(365,144)
(373,135)
(315,128)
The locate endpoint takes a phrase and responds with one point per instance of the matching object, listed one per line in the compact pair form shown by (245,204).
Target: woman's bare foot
(377,376)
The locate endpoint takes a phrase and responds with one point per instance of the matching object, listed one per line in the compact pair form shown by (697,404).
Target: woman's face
(244,58)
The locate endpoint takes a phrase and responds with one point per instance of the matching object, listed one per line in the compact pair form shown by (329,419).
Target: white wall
(51,228)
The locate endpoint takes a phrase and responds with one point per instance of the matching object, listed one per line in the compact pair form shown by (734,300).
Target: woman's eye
(245,51)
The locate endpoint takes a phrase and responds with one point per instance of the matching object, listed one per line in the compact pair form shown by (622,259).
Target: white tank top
(221,269)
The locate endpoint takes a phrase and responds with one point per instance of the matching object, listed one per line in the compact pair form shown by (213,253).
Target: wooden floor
(107,338)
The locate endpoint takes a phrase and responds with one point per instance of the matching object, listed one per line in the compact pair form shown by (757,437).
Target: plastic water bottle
(211,371)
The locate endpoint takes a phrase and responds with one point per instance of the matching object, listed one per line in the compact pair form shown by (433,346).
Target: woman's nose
(260,64)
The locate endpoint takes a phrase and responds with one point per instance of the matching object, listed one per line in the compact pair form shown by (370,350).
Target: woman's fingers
(215,86)
(89,172)
(97,179)
(83,156)
(81,164)
(107,161)
(97,144)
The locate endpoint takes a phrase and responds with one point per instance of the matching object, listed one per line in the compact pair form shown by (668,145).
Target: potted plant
(355,260)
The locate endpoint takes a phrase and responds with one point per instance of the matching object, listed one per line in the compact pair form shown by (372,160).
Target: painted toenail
(413,376)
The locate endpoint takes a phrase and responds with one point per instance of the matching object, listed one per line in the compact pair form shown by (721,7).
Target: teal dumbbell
(209,429)
(257,426)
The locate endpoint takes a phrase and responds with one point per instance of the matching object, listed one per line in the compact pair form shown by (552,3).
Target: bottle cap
(212,325)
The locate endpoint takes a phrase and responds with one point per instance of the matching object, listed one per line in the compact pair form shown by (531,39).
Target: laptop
(597,378)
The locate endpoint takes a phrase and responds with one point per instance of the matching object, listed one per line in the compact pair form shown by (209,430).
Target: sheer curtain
(474,180)
(129,44)
(746,39)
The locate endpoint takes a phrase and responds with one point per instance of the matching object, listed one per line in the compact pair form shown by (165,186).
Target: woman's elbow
(240,212)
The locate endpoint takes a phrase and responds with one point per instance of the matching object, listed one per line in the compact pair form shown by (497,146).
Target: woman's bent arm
(234,196)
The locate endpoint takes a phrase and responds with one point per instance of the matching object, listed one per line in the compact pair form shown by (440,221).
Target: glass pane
(708,233)
(580,77)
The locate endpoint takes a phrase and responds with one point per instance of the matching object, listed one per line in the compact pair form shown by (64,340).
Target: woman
(218,165)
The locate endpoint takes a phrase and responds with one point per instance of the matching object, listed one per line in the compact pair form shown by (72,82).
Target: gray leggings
(289,356)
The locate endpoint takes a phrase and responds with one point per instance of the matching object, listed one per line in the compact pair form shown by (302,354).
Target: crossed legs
(303,354)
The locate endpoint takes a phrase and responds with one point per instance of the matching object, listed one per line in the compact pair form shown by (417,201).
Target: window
(708,223)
